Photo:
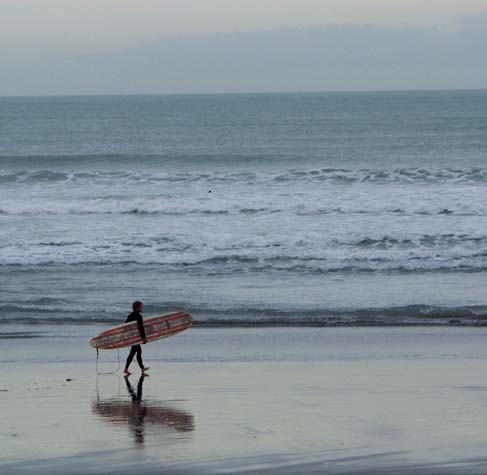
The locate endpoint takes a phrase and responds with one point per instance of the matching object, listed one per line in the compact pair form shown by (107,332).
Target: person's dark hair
(136,305)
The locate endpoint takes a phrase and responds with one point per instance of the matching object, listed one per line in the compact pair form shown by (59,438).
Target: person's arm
(140,324)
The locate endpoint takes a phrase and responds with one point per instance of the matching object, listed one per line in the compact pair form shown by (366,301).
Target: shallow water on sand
(375,400)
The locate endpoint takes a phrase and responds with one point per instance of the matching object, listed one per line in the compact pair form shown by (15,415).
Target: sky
(41,29)
(34,32)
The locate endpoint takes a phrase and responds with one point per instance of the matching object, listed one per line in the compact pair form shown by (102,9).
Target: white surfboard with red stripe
(156,328)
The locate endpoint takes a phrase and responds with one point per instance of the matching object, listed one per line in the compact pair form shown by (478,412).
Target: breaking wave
(326,175)
(234,206)
(261,316)
(307,253)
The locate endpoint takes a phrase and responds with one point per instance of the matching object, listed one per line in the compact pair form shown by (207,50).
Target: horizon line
(247,93)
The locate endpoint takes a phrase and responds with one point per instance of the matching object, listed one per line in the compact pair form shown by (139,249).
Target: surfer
(136,316)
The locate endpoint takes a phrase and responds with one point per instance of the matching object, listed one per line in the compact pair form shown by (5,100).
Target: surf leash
(98,372)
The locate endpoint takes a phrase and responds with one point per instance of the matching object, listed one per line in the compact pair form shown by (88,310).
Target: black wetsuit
(136,349)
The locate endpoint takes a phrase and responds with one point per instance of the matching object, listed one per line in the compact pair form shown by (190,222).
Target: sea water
(326,209)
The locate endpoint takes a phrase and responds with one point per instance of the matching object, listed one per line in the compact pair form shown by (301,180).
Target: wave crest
(329,175)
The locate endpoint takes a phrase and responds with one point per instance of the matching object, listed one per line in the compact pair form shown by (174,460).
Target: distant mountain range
(314,59)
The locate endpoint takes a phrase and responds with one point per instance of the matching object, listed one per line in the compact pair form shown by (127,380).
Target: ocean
(305,209)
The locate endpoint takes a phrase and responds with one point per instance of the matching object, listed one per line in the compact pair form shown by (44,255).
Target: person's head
(137,306)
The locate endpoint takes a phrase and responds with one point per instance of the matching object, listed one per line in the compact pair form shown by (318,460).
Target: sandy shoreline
(355,400)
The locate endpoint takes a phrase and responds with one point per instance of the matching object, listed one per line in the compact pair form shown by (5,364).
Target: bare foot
(145,369)
(127,372)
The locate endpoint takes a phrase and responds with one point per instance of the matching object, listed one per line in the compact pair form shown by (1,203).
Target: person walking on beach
(136,316)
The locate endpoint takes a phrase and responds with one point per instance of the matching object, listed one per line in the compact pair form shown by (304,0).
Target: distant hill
(316,59)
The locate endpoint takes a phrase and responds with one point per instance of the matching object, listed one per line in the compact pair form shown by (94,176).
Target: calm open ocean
(339,208)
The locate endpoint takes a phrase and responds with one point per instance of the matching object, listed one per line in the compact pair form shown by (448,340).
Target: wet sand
(256,401)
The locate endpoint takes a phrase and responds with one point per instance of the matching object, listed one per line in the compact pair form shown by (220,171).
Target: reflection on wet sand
(137,413)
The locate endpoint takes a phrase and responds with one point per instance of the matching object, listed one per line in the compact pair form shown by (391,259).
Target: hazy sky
(158,46)
(39,30)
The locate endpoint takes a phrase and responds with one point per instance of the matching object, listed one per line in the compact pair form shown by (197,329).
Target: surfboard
(160,326)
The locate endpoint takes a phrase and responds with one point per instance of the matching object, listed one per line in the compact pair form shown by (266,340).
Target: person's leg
(139,359)
(130,357)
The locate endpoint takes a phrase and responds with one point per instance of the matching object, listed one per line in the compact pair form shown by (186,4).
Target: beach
(331,248)
(280,209)
(250,400)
